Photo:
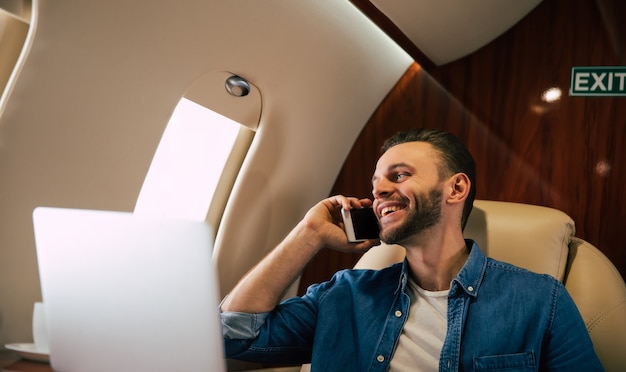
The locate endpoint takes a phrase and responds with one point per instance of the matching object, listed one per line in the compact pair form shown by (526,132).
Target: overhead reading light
(551,95)
(237,86)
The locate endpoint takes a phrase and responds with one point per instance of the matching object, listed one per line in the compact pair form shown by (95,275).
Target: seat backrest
(542,240)
(530,236)
(599,291)
(533,237)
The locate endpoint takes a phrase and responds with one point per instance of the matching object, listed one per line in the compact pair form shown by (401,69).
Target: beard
(427,213)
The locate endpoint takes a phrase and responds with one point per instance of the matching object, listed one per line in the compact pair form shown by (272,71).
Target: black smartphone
(360,224)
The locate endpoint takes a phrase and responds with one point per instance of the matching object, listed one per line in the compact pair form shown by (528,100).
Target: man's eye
(400,176)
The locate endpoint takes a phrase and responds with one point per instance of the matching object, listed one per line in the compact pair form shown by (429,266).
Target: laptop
(124,292)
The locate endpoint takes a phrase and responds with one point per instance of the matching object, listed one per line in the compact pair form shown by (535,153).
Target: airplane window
(14,26)
(188,163)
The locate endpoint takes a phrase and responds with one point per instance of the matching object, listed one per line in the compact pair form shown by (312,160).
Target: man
(446,307)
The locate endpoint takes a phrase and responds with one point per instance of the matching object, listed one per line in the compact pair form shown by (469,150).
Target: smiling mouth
(388,210)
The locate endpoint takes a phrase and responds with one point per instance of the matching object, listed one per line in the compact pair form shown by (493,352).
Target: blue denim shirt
(500,317)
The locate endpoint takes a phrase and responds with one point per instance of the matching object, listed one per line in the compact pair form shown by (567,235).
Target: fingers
(325,222)
(348,202)
(359,247)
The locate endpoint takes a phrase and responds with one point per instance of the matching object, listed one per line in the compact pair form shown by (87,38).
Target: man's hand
(324,221)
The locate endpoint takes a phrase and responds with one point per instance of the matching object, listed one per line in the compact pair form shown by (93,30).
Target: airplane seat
(542,240)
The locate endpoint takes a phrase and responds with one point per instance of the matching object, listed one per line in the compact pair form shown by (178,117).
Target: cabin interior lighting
(603,168)
(551,95)
(237,86)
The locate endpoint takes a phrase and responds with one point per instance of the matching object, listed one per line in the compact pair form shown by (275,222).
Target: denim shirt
(500,317)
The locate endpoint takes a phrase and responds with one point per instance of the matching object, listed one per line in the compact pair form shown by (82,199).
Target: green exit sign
(598,81)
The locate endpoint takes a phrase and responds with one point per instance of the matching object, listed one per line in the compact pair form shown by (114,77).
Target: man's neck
(435,261)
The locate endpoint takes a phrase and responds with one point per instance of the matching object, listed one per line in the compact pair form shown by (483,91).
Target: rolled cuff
(236,325)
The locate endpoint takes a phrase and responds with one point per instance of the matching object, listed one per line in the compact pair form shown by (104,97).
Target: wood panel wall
(569,154)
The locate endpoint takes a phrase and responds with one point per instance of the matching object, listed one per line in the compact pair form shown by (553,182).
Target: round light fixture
(551,95)
(237,86)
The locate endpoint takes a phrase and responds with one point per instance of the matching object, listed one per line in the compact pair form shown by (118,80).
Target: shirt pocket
(506,362)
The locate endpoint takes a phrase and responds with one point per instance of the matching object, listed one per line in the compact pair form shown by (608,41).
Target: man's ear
(459,188)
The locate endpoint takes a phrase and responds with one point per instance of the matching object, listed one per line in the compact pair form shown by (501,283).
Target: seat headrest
(529,236)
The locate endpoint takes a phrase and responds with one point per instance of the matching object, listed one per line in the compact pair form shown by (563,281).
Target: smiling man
(446,307)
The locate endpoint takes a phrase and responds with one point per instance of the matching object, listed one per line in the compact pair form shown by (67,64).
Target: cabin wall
(568,155)
(91,101)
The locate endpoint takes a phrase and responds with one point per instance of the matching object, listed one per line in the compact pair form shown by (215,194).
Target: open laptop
(124,292)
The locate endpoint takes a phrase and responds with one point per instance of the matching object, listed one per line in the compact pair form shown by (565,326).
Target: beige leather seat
(542,240)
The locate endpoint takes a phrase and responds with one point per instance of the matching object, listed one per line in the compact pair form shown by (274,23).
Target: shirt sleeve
(569,346)
(283,335)
(236,325)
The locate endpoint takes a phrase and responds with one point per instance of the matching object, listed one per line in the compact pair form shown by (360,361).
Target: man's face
(407,191)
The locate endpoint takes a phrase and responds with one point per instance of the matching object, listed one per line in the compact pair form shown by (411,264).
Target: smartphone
(360,224)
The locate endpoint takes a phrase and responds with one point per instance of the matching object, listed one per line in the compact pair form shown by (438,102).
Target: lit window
(188,163)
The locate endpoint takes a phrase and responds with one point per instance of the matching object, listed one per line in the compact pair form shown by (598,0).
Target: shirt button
(398,313)
(470,288)
(380,358)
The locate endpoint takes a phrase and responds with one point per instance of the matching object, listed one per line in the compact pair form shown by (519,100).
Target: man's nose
(381,188)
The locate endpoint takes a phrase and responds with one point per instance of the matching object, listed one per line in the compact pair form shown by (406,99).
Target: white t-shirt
(421,340)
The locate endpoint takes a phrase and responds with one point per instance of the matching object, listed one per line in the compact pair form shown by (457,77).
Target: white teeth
(385,211)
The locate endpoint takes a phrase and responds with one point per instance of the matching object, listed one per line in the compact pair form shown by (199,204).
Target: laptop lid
(128,293)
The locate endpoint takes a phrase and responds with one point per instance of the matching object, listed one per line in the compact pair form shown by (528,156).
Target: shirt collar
(468,279)
(403,280)
(471,275)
